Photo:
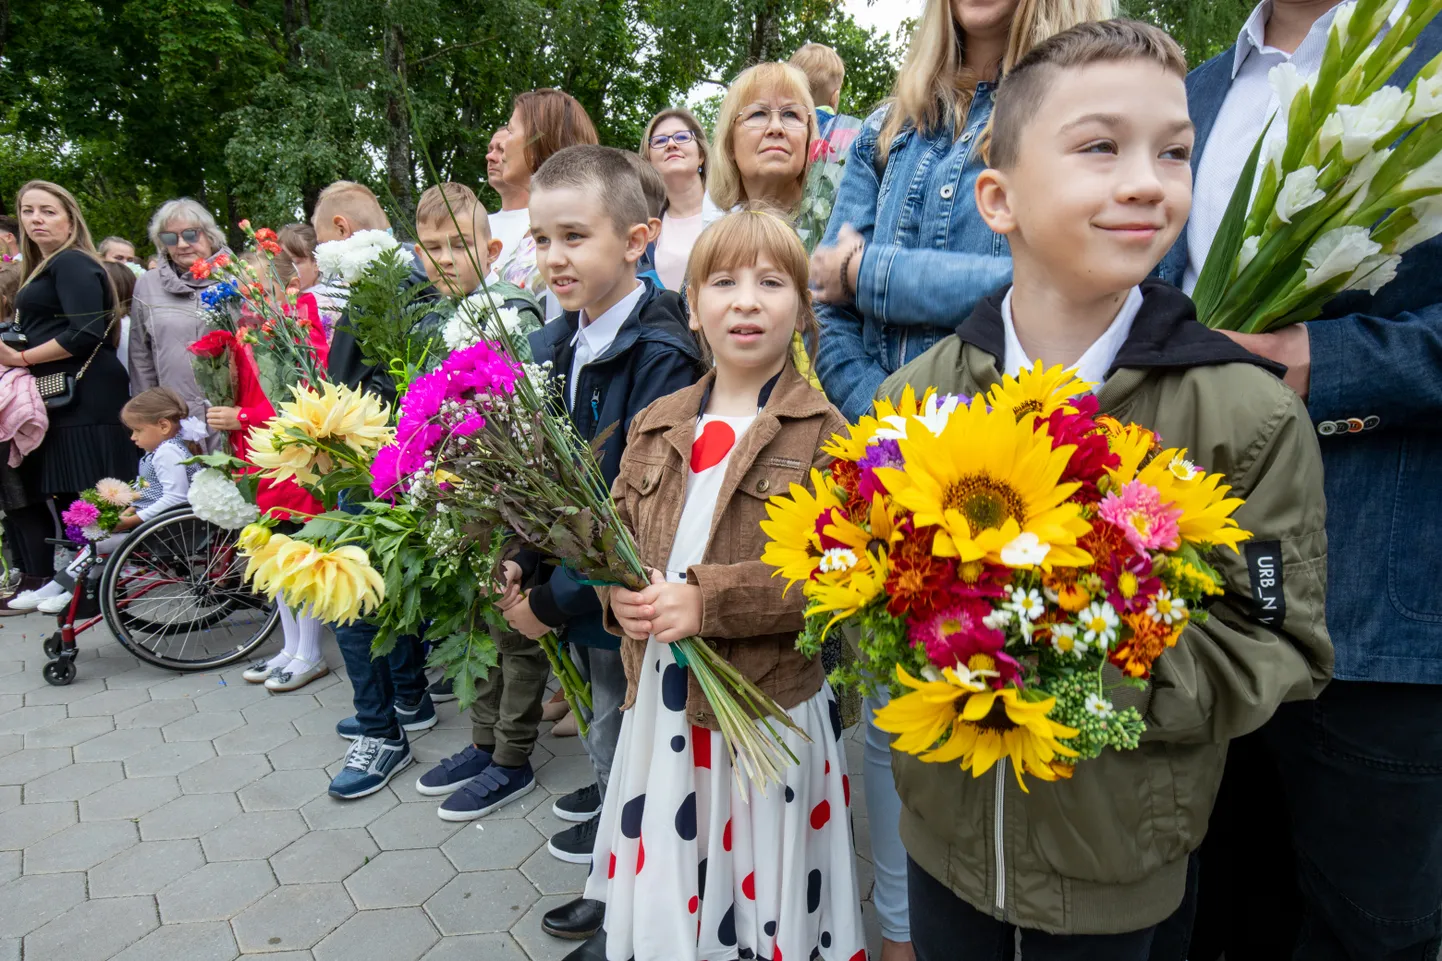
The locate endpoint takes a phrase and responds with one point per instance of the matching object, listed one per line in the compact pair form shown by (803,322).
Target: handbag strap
(103,338)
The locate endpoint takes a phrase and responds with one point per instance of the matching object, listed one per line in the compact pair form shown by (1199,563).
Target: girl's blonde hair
(744,239)
(933,82)
(723,177)
(32,261)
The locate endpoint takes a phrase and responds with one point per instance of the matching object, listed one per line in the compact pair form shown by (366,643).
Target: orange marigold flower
(917,579)
(1135,654)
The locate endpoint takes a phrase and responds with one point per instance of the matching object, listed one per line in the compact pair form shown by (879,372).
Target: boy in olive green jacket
(1090,182)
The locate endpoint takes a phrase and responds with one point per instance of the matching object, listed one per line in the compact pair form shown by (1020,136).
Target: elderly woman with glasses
(676,147)
(762,141)
(165,314)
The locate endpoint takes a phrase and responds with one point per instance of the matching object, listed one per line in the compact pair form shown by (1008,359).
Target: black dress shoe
(575,920)
(593,950)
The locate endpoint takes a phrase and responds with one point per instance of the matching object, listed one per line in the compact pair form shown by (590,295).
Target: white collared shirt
(594,337)
(1249,104)
(1096,361)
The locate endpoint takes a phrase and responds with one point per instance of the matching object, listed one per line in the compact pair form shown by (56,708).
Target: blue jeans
(883,810)
(378,682)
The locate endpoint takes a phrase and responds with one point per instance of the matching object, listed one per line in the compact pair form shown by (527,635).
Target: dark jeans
(377,683)
(946,928)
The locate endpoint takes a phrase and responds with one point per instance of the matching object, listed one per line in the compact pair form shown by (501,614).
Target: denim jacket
(929,257)
(1375,398)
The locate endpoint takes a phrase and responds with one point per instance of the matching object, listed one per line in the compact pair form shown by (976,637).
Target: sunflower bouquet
(1013,560)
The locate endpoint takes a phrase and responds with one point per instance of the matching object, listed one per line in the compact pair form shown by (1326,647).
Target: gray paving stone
(564,773)
(231,697)
(23,826)
(412,826)
(395,934)
(491,947)
(283,790)
(73,782)
(338,696)
(9,796)
(487,844)
(294,916)
(94,931)
(69,732)
(189,816)
(537,944)
(10,949)
(80,847)
(24,719)
(26,766)
(322,721)
(252,836)
(440,743)
(118,744)
(224,775)
(155,713)
(207,941)
(10,743)
(327,812)
(281,956)
(398,879)
(183,686)
(308,752)
(145,868)
(9,866)
(257,738)
(109,703)
(168,759)
(137,676)
(324,856)
(480,902)
(280,707)
(10,702)
(77,690)
(202,727)
(129,799)
(543,818)
(551,875)
(562,746)
(29,902)
(215,892)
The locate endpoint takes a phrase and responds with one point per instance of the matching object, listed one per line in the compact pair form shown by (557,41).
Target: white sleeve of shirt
(174,481)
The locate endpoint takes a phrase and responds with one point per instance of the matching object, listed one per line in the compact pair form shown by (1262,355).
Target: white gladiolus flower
(1286,83)
(1426,177)
(1342,19)
(1337,253)
(1365,123)
(1429,224)
(1299,191)
(1428,101)
(349,258)
(1272,151)
(1248,252)
(1330,134)
(1374,273)
(1359,179)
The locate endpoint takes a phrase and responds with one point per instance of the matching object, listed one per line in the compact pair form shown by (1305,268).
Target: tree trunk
(399,161)
(309,194)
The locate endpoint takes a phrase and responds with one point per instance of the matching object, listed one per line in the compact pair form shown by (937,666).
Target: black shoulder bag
(58,389)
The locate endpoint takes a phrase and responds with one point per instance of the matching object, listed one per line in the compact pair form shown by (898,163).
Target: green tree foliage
(1204,28)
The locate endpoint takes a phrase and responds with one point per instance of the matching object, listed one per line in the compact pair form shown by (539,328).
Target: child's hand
(523,620)
(672,612)
(128,519)
(510,587)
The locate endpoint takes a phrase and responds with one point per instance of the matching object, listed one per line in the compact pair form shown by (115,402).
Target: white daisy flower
(1098,706)
(1099,623)
(1064,639)
(1167,608)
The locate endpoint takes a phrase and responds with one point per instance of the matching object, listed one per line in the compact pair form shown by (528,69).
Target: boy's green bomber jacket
(1106,851)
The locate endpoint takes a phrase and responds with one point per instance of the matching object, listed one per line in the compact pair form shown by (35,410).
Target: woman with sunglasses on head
(165,314)
(676,147)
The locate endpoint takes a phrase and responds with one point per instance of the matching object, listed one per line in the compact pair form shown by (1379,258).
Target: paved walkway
(151,816)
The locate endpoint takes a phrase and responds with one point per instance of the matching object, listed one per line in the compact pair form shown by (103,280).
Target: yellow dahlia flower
(281,456)
(253,537)
(338,587)
(337,414)
(985,479)
(1037,392)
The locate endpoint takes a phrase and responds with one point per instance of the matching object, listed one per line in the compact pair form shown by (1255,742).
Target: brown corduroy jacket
(744,615)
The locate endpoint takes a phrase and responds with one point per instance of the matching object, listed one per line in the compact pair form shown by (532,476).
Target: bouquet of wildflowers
(1350,181)
(93,515)
(1011,559)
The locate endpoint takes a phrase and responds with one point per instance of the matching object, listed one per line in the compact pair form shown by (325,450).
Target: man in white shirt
(1353,779)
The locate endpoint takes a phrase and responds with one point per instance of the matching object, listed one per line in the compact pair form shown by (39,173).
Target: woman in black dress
(65,308)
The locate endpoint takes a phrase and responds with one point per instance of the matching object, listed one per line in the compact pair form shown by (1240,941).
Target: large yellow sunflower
(983,481)
(1037,392)
(859,435)
(1206,508)
(795,548)
(980,726)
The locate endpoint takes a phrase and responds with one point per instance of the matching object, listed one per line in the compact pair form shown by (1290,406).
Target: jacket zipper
(595,406)
(998,820)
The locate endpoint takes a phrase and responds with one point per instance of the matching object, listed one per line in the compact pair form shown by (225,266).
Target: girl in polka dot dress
(692,863)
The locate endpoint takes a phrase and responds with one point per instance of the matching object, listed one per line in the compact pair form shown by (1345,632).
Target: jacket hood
(1165,334)
(175,281)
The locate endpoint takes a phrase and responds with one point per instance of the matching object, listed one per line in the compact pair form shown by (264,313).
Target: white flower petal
(1337,253)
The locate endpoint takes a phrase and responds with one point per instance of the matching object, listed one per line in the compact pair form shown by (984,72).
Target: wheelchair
(173,595)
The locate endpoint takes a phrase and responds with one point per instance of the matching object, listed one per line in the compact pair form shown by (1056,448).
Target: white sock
(307,652)
(51,589)
(291,631)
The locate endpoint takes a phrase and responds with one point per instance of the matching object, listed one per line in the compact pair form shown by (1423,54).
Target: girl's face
(748,316)
(307,274)
(513,158)
(44,219)
(770,139)
(150,436)
(674,157)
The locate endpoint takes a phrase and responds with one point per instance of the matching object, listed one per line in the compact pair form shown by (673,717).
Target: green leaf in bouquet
(1216,272)
(221,462)
(331,526)
(598,443)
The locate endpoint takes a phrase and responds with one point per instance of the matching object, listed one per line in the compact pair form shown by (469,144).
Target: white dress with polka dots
(693,867)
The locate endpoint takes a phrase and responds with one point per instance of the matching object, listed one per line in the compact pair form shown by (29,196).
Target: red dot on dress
(640,855)
(693,904)
(828,767)
(748,886)
(726,836)
(611,871)
(846,789)
(820,815)
(716,440)
(700,746)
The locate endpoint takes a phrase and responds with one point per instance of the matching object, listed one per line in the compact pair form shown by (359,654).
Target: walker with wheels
(174,596)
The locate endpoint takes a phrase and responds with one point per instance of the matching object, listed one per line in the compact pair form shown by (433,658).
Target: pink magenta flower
(956,634)
(81,513)
(1139,513)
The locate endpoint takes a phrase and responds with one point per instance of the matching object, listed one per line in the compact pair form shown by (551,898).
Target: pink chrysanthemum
(1139,513)
(81,513)
(116,492)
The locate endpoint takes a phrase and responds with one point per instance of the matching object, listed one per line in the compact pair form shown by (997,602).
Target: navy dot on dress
(631,816)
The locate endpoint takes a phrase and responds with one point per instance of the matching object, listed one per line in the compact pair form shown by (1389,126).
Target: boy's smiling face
(1102,183)
(587,263)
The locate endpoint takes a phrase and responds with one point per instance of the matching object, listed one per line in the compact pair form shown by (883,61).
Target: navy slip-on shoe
(447,776)
(493,788)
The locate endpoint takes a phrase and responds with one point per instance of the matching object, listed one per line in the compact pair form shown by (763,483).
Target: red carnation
(269,246)
(200,270)
(265,233)
(213,344)
(221,260)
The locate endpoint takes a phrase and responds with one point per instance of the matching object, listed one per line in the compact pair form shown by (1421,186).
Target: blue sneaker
(419,717)
(493,788)
(369,764)
(453,771)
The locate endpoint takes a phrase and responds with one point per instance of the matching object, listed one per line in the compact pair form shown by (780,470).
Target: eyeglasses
(758,117)
(170,238)
(680,138)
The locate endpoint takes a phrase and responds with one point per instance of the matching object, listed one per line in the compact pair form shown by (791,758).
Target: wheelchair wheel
(174,596)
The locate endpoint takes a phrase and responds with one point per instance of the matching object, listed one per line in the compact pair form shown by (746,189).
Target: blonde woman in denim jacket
(905,259)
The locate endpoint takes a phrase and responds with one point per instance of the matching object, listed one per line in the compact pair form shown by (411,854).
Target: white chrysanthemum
(1337,253)
(216,500)
(349,258)
(1371,120)
(1299,191)
(93,532)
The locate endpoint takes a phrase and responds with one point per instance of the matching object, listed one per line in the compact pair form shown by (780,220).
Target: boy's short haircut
(825,71)
(440,202)
(1022,91)
(9,225)
(603,172)
(353,201)
(652,185)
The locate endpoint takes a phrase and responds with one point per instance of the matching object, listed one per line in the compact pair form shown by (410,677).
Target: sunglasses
(170,238)
(679,138)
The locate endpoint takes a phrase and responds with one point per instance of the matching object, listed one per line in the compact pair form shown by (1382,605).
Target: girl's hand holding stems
(669,611)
